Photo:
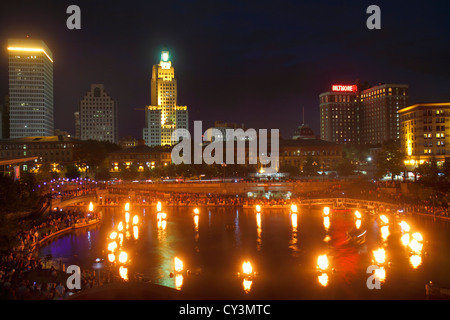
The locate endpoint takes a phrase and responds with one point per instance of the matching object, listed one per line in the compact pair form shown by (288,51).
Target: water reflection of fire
(247,271)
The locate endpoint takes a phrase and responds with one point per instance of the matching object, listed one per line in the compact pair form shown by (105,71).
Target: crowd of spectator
(16,265)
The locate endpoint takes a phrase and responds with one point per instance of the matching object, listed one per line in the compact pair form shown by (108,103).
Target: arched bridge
(61,203)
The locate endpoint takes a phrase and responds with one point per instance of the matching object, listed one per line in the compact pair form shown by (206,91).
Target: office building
(97,116)
(223,127)
(164,115)
(30,67)
(362,114)
(50,149)
(379,118)
(425,133)
(140,156)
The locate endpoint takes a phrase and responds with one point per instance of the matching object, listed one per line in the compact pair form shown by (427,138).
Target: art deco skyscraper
(30,67)
(97,116)
(163,116)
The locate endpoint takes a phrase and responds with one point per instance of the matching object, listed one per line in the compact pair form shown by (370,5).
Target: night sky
(251,62)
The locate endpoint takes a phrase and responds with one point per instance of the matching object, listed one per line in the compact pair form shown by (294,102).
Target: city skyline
(235,62)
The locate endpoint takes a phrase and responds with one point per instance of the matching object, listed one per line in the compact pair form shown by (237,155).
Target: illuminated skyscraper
(361,114)
(163,116)
(30,67)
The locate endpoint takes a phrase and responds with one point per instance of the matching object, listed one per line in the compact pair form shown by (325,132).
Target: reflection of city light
(384,232)
(417,236)
(326,211)
(405,226)
(113,235)
(111,257)
(123,273)
(158,206)
(120,226)
(123,257)
(127,206)
(135,232)
(247,284)
(323,279)
(258,208)
(196,221)
(162,224)
(322,262)
(357,214)
(384,219)
(326,222)
(358,224)
(294,220)
(415,260)
(178,264)
(112,246)
(380,255)
(196,211)
(380,273)
(405,239)
(127,217)
(415,246)
(178,281)
(135,220)
(161,215)
(258,220)
(294,208)
(247,268)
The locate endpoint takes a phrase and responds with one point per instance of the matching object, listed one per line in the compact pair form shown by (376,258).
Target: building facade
(380,120)
(164,115)
(340,116)
(223,127)
(97,116)
(141,156)
(425,133)
(361,114)
(49,149)
(326,154)
(30,67)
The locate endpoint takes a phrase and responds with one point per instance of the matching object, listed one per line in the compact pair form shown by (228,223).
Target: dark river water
(283,251)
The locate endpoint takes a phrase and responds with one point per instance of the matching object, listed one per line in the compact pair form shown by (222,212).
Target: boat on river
(356,236)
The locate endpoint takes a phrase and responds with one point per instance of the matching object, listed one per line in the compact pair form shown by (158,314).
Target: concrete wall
(229,187)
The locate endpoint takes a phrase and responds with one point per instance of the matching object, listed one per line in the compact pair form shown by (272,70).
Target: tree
(390,160)
(429,171)
(310,167)
(356,153)
(345,168)
(72,172)
(93,153)
(44,172)
(103,174)
(446,169)
(293,171)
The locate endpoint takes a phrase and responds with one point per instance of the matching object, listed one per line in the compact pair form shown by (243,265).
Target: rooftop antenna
(303,120)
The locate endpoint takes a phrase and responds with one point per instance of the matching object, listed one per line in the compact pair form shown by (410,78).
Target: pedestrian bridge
(351,203)
(61,203)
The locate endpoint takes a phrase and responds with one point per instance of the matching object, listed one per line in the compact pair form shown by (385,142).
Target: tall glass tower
(163,116)
(30,67)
